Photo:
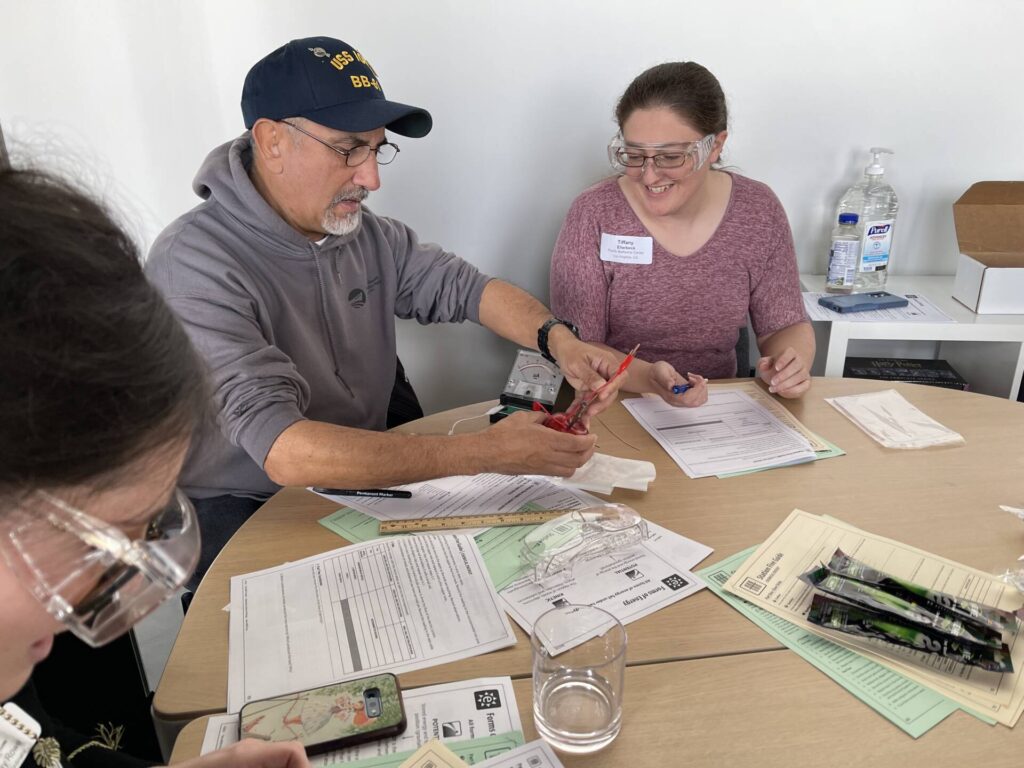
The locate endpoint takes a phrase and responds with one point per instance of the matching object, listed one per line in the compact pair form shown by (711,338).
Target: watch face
(533,378)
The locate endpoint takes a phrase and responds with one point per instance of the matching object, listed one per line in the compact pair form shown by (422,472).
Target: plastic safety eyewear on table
(558,545)
(87,573)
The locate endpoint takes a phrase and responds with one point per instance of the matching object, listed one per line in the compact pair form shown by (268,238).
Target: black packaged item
(832,614)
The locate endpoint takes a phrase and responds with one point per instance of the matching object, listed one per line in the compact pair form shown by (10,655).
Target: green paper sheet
(472,751)
(912,707)
(499,547)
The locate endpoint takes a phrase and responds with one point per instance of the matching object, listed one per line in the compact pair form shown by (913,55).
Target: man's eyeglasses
(385,151)
(632,159)
(87,573)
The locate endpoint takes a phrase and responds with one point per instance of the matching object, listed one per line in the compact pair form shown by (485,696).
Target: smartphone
(863,302)
(331,717)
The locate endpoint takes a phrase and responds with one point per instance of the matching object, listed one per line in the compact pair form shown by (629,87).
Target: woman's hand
(250,753)
(787,375)
(663,377)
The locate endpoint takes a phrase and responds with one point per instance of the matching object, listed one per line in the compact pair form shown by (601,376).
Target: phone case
(863,302)
(330,717)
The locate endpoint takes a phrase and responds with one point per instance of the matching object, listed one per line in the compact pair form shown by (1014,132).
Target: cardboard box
(989,219)
(933,373)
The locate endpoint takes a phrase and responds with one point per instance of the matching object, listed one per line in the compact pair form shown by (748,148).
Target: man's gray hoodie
(291,329)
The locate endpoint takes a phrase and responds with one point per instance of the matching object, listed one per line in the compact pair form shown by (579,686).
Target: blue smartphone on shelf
(863,302)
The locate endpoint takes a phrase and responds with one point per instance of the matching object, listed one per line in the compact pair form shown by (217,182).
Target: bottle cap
(876,169)
(848,218)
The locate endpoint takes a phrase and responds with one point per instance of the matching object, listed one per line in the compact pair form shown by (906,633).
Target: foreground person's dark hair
(95,370)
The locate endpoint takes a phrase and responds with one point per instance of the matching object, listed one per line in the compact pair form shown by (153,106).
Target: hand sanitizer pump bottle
(877,221)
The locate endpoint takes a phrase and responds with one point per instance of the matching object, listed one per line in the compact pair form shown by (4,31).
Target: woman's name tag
(16,742)
(626,250)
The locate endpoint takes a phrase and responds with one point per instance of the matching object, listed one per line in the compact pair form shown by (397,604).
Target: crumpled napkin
(603,473)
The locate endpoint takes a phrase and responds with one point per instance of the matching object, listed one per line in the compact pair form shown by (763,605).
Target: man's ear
(268,144)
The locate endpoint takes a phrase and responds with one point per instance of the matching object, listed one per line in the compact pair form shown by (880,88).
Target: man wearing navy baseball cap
(289,286)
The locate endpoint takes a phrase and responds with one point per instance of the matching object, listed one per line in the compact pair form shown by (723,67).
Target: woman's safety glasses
(87,573)
(682,158)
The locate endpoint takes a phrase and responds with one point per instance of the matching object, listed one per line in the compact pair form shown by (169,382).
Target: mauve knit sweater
(684,309)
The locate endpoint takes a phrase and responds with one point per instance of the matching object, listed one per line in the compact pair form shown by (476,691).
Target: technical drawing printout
(731,432)
(387,605)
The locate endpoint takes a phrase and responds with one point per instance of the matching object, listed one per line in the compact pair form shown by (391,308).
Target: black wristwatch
(542,336)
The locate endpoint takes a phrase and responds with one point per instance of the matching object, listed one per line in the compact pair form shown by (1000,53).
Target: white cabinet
(987,350)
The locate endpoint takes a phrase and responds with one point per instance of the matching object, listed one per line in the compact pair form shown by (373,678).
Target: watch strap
(545,330)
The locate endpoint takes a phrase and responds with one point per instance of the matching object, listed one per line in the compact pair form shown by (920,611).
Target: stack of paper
(388,605)
(770,579)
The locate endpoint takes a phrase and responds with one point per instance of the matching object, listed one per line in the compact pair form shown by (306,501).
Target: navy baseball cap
(329,82)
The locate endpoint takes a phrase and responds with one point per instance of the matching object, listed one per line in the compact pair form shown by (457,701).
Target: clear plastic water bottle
(874,201)
(844,255)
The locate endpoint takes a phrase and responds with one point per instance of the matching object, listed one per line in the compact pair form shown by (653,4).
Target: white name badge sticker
(18,734)
(626,250)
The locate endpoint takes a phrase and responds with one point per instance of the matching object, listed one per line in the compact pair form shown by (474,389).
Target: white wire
(489,412)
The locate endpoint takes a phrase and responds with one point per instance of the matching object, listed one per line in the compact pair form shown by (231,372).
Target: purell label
(877,244)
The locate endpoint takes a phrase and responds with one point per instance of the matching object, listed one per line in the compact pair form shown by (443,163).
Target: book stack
(933,373)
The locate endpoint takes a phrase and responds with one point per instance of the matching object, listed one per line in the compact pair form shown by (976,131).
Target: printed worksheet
(536,754)
(387,605)
(919,310)
(629,584)
(731,432)
(770,579)
(467,709)
(470,495)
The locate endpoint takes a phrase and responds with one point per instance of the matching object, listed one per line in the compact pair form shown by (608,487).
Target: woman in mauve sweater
(674,254)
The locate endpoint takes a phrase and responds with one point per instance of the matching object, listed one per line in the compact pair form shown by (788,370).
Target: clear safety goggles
(89,574)
(559,545)
(682,158)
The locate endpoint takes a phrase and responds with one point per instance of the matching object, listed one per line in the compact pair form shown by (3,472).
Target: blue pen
(678,389)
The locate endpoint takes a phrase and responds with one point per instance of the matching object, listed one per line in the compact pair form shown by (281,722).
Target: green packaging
(975,616)
(833,614)
(876,598)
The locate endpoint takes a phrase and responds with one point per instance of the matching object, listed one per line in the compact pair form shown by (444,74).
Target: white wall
(522,95)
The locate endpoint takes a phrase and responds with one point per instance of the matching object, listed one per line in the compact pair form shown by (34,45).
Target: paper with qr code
(454,712)
(629,584)
(536,754)
(434,754)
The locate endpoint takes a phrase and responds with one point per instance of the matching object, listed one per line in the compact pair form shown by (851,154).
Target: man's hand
(788,374)
(250,753)
(520,445)
(664,377)
(586,367)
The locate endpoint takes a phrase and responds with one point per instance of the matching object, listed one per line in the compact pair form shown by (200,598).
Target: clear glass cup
(579,665)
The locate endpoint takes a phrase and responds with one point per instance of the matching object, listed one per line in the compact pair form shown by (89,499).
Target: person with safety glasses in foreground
(289,286)
(697,247)
(101,393)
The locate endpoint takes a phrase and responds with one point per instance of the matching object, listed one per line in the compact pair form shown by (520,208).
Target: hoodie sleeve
(434,286)
(258,392)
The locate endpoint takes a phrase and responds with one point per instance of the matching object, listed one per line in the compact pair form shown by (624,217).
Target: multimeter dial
(532,378)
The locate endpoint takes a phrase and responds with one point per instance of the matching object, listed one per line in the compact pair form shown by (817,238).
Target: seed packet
(876,598)
(833,614)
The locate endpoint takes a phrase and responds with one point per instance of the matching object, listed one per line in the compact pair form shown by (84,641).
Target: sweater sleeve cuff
(261,431)
(477,293)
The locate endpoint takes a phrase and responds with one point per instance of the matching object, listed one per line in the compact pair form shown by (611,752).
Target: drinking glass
(579,664)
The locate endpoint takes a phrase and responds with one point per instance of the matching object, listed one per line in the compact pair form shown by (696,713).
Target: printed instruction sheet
(629,584)
(731,432)
(919,310)
(467,709)
(770,579)
(387,605)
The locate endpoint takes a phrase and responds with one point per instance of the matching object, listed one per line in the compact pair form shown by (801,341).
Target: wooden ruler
(414,525)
